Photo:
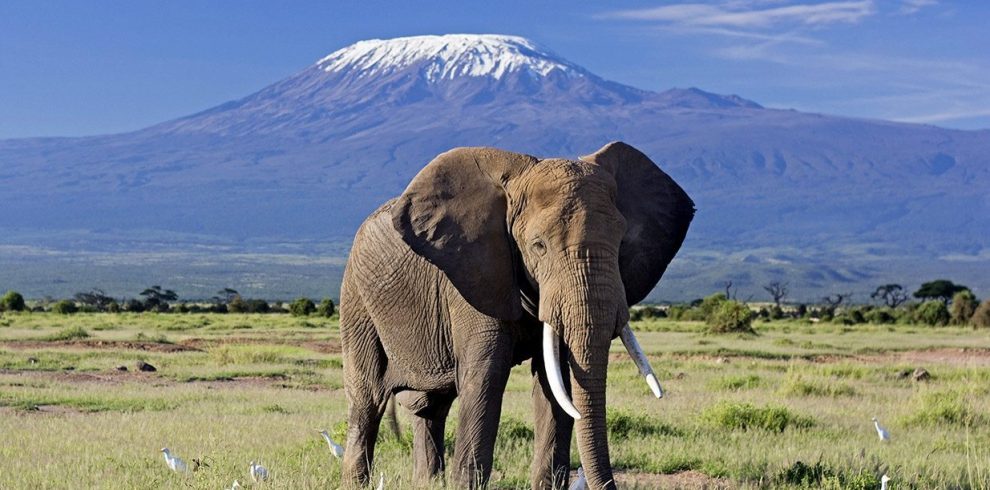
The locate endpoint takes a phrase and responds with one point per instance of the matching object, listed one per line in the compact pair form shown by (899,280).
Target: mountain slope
(306,158)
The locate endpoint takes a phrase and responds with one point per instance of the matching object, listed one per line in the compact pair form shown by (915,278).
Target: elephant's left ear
(657,213)
(453,214)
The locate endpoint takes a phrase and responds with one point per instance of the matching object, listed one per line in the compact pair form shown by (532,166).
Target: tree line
(938,303)
(162,300)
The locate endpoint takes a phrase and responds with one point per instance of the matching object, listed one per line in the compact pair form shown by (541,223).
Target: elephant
(490,258)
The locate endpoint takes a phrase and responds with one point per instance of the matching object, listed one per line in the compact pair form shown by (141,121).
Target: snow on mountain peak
(448,57)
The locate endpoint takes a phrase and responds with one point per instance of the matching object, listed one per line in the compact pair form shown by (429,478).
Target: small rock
(681,375)
(920,374)
(121,368)
(148,368)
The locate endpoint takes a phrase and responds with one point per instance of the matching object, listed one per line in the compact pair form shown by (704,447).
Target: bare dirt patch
(321,346)
(98,344)
(953,357)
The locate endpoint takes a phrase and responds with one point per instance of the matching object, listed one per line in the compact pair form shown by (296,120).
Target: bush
(944,408)
(963,306)
(743,416)
(302,307)
(932,312)
(881,316)
(12,301)
(326,308)
(730,316)
(68,333)
(134,306)
(981,317)
(710,304)
(65,307)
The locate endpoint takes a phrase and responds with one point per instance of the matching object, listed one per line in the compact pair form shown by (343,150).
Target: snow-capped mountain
(448,57)
(826,200)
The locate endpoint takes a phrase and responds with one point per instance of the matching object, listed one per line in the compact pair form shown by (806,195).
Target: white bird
(881,432)
(336,449)
(173,462)
(381,482)
(236,485)
(580,483)
(258,472)
(883,481)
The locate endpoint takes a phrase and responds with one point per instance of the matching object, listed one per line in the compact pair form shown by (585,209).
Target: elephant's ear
(657,213)
(454,215)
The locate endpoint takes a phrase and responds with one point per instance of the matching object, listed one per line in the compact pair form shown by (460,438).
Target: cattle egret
(236,485)
(381,482)
(173,462)
(883,481)
(258,472)
(336,449)
(580,483)
(881,432)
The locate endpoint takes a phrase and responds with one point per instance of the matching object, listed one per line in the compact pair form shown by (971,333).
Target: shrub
(12,301)
(881,316)
(133,306)
(623,425)
(743,416)
(730,316)
(710,304)
(981,317)
(932,312)
(326,308)
(68,333)
(963,306)
(65,307)
(302,307)
(736,382)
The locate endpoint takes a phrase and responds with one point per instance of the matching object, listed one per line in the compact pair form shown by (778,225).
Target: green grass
(788,408)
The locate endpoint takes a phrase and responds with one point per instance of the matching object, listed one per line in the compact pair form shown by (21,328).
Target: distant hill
(828,203)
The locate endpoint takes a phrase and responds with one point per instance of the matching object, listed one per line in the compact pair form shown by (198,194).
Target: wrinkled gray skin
(447,285)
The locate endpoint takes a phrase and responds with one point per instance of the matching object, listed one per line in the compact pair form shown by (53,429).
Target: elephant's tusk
(639,357)
(552,366)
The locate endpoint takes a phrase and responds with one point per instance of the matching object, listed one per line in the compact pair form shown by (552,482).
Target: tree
(326,308)
(832,302)
(940,289)
(963,306)
(778,290)
(12,301)
(95,298)
(302,307)
(892,295)
(156,298)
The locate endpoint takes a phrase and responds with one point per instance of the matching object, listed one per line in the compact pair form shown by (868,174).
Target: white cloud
(750,15)
(911,6)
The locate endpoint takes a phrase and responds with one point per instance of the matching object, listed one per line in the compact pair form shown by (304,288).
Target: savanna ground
(787,408)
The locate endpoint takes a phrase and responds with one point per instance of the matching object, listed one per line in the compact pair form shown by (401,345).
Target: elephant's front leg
(483,367)
(552,443)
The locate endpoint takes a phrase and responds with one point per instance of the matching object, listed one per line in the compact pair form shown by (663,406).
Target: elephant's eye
(539,247)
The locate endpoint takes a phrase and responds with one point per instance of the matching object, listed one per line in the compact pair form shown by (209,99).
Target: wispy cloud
(909,7)
(750,15)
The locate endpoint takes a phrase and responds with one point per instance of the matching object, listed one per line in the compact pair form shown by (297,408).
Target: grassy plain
(788,408)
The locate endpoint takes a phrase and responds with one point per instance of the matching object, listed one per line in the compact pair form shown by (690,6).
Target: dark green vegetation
(789,407)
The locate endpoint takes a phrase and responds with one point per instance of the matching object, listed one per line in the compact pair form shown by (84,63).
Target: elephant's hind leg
(367,392)
(429,418)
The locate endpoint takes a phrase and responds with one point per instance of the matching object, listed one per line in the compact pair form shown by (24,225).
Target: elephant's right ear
(454,215)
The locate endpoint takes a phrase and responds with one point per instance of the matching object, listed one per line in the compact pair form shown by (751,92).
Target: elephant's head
(583,240)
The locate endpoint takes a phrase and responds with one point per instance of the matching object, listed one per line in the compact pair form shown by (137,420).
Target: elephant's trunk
(587,309)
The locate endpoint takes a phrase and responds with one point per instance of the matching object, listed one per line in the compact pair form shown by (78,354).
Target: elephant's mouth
(551,362)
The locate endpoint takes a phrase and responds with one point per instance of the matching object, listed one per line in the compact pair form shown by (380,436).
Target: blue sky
(78,68)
